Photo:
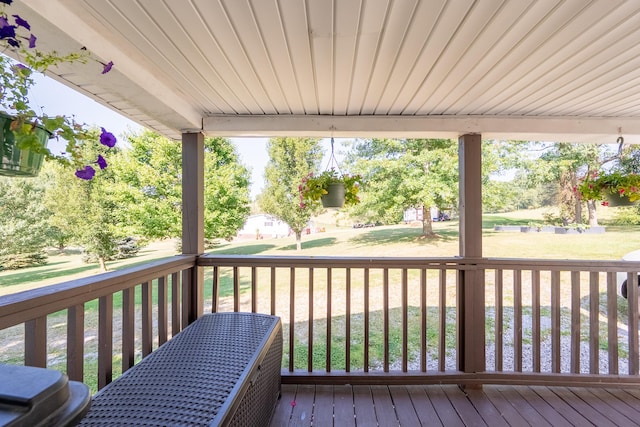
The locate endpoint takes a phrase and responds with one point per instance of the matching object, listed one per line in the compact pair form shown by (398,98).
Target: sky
(55,98)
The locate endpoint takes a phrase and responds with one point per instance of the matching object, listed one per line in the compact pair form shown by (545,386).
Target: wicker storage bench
(224,369)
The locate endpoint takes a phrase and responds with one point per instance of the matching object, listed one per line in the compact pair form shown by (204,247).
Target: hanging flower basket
(331,188)
(23,143)
(613,188)
(15,161)
(335,195)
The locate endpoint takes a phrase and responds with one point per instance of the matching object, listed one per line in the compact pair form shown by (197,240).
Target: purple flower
(87,173)
(4,22)
(32,41)
(7,31)
(6,1)
(107,138)
(21,22)
(13,42)
(107,67)
(101,162)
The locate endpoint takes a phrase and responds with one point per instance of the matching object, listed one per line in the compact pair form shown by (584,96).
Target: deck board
(548,408)
(444,408)
(576,401)
(449,405)
(343,407)
(557,405)
(301,414)
(383,405)
(424,408)
(282,413)
(618,407)
(404,406)
(323,406)
(363,406)
(610,409)
(489,413)
(522,404)
(465,409)
(510,413)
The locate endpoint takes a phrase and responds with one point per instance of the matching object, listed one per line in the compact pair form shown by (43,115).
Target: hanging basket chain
(332,164)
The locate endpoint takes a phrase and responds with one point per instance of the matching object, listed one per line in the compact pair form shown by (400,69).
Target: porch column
(192,222)
(470,300)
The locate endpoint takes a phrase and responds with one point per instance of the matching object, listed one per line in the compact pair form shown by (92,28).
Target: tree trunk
(427,227)
(577,200)
(299,240)
(593,214)
(102,263)
(578,211)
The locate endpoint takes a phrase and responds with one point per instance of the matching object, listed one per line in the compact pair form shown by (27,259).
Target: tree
(290,160)
(91,213)
(23,223)
(152,171)
(565,164)
(227,200)
(419,173)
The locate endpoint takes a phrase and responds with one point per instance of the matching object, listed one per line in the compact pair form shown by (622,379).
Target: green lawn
(386,241)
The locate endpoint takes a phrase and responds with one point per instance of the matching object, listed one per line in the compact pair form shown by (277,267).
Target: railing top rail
(22,306)
(461,263)
(557,264)
(327,261)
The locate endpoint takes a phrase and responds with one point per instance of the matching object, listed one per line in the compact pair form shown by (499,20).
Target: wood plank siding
(450,405)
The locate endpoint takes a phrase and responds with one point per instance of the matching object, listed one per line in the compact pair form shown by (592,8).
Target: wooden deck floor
(448,405)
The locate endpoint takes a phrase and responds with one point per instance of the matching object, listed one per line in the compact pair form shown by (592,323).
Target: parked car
(442,217)
(362,225)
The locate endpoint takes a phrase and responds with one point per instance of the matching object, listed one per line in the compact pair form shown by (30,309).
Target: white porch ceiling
(564,70)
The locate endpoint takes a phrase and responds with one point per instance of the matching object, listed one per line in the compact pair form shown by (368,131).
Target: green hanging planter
(15,161)
(335,195)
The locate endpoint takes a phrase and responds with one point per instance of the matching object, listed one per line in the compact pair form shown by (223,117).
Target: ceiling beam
(576,129)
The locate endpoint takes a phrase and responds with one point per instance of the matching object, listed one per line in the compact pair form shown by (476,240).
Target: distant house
(261,226)
(413,214)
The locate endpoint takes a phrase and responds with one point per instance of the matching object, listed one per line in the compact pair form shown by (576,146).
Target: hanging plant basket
(15,161)
(615,200)
(335,195)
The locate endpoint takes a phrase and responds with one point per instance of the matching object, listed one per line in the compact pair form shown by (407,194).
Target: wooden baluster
(612,323)
(105,341)
(366,319)
(310,322)
(405,319)
(423,320)
(175,304)
(128,328)
(535,321)
(594,322)
(328,343)
(499,316)
(163,321)
(75,342)
(292,317)
(147,321)
(35,346)
(347,323)
(517,320)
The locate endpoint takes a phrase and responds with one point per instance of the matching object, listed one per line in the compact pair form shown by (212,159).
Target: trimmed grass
(386,241)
